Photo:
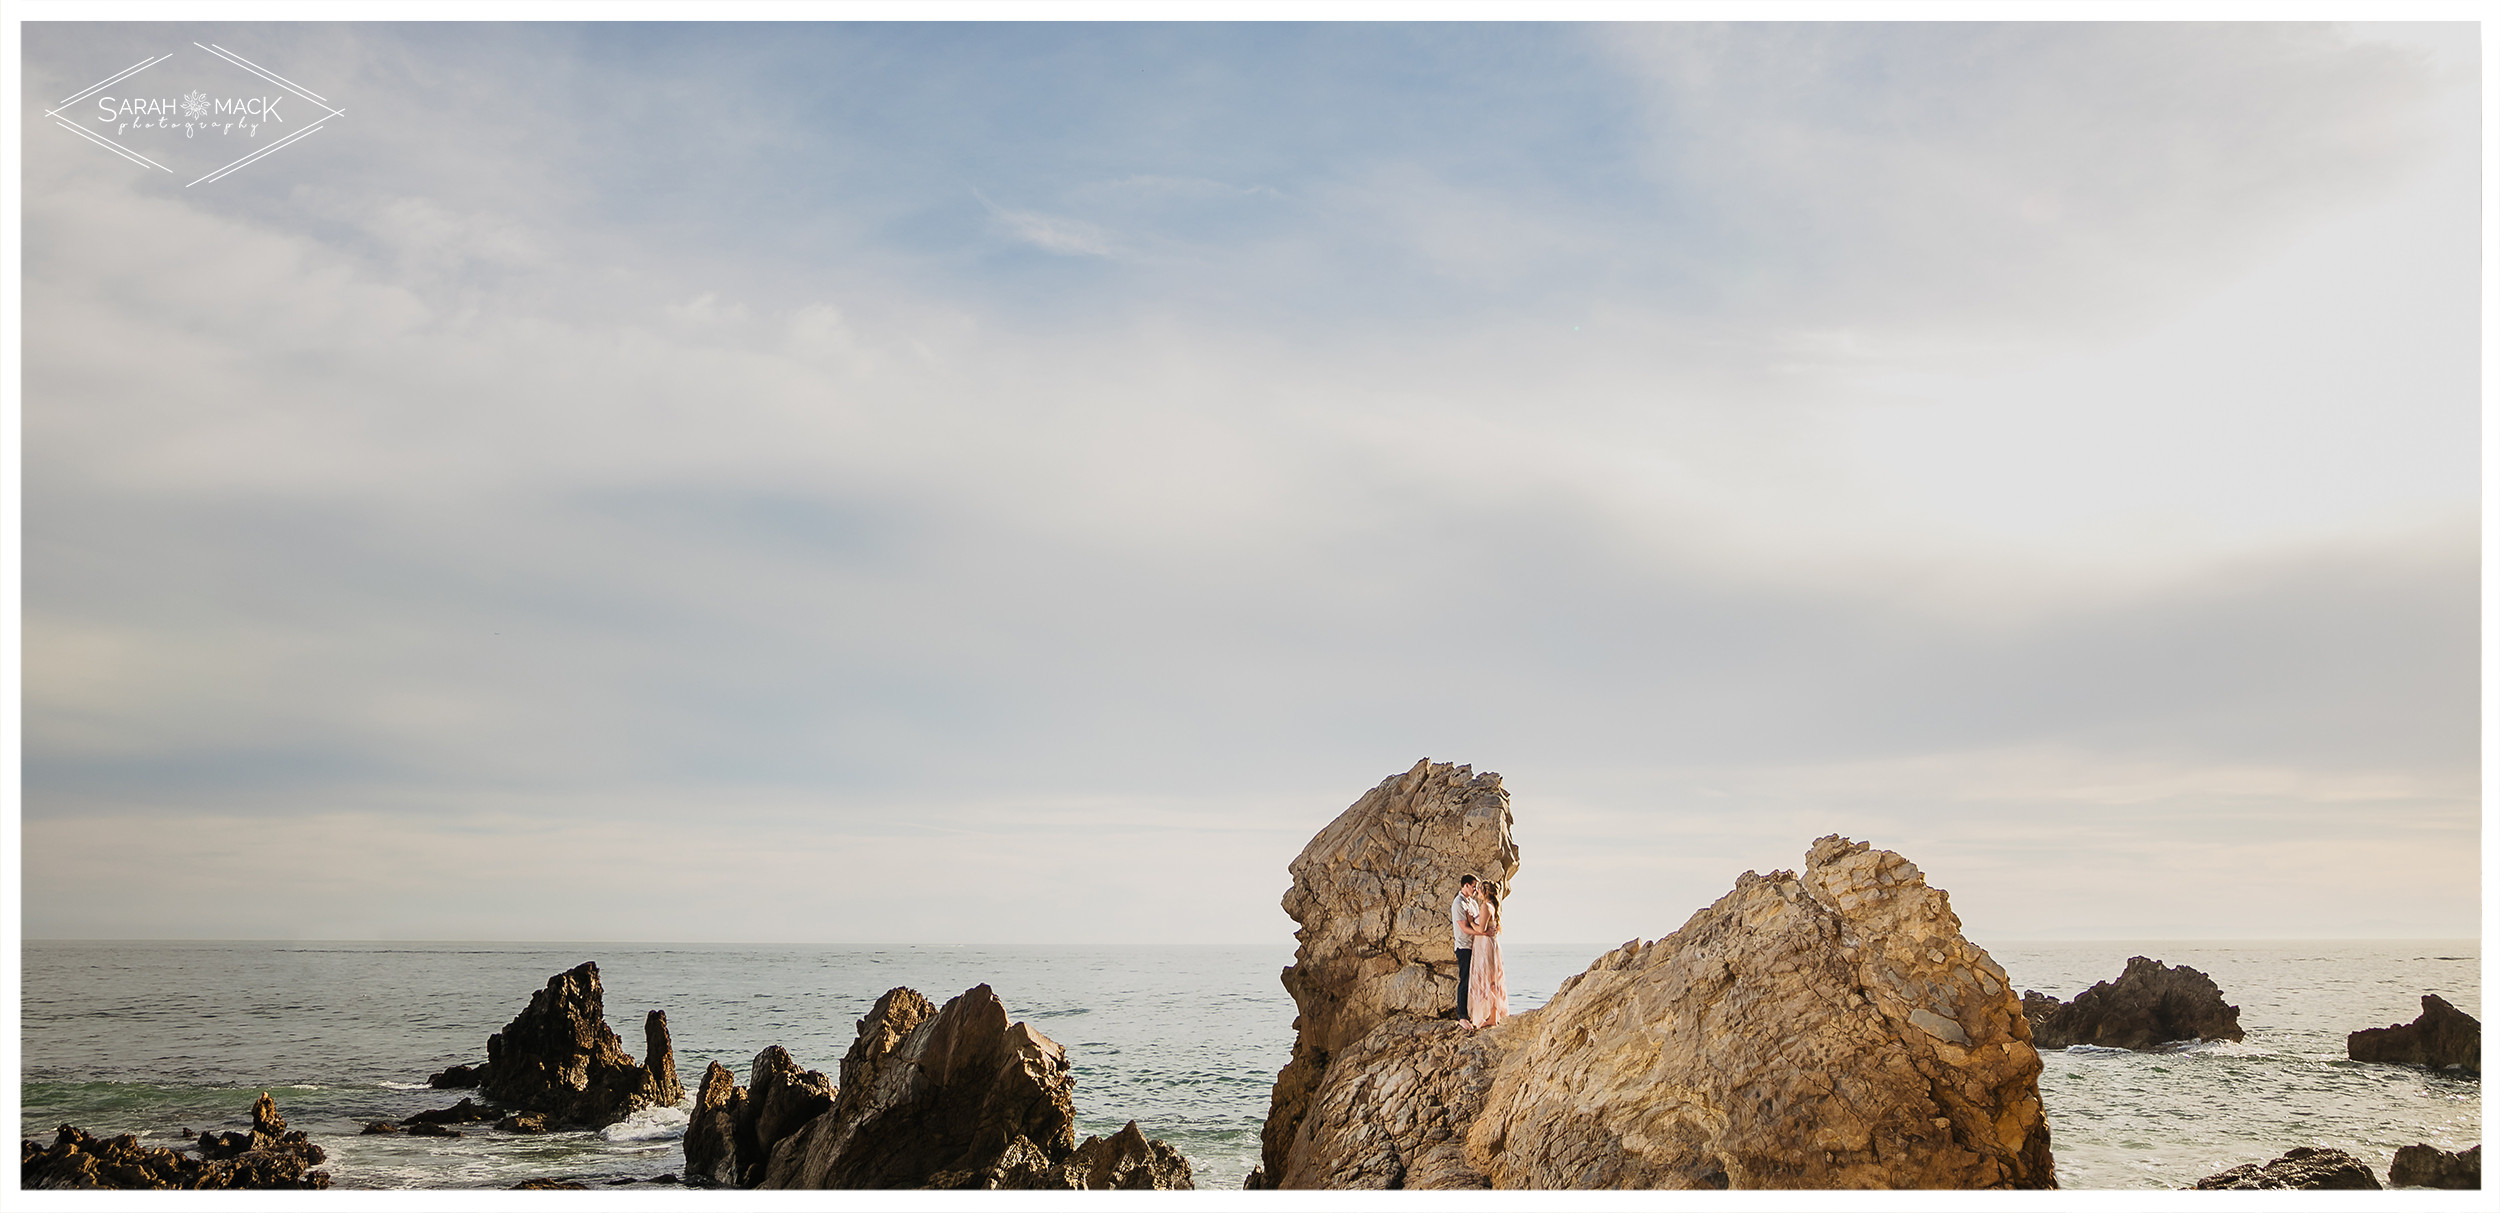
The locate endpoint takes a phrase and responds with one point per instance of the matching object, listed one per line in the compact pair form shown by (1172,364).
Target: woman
(1488,998)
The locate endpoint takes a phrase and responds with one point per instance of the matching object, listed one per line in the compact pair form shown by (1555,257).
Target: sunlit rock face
(1372,894)
(1827,1028)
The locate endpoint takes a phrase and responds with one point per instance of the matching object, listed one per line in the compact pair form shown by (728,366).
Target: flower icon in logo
(195,105)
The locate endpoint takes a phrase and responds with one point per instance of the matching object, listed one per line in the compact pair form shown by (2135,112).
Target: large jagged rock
(1830,1029)
(2299,1167)
(2432,1167)
(1372,894)
(268,1156)
(732,1133)
(2441,1037)
(937,1098)
(2151,1004)
(558,1056)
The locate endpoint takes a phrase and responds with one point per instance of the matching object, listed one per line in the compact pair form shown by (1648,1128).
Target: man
(1460,906)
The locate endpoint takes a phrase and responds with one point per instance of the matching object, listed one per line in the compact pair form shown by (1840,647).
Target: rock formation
(733,1130)
(2440,1037)
(558,1056)
(1830,1029)
(2432,1167)
(1372,894)
(266,1157)
(929,1098)
(2300,1167)
(2150,1004)
(456,1078)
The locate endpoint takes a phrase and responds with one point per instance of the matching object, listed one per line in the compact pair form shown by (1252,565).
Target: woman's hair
(1492,895)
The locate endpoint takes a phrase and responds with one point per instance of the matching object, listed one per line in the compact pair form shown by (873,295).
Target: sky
(990,483)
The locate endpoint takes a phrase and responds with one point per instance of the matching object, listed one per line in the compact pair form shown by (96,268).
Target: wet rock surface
(268,1156)
(2432,1167)
(559,1057)
(2299,1167)
(929,1097)
(2441,1037)
(1371,893)
(1824,1029)
(2149,1005)
(456,1078)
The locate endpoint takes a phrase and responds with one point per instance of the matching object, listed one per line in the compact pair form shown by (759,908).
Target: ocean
(164,1038)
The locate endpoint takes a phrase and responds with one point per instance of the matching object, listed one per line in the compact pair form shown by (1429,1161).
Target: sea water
(157,1038)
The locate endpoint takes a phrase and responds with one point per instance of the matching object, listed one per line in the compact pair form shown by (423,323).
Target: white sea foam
(2098,1051)
(649,1124)
(404,1086)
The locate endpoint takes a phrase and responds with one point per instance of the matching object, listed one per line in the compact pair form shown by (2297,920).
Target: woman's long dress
(1488,997)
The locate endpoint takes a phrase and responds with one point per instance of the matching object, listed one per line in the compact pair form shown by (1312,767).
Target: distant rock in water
(2441,1037)
(457,1078)
(1372,893)
(2150,1004)
(558,1056)
(731,1135)
(2299,1167)
(266,1157)
(929,1098)
(2432,1167)
(1825,1030)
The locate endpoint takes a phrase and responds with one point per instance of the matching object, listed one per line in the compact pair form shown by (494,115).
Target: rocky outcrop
(456,1078)
(268,1156)
(2299,1167)
(956,1097)
(1824,1029)
(2441,1037)
(2432,1167)
(2151,1004)
(558,1056)
(732,1133)
(1372,894)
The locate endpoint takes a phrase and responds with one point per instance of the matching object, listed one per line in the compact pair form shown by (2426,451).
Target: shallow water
(153,1038)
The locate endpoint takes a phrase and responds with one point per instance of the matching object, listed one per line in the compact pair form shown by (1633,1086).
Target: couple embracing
(1475,920)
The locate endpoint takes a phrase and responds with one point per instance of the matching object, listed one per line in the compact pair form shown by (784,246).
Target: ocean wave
(2096,1051)
(649,1124)
(405,1086)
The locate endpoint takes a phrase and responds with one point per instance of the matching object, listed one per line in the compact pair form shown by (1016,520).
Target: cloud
(445,516)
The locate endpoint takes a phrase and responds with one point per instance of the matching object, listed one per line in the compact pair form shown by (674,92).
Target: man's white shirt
(1458,923)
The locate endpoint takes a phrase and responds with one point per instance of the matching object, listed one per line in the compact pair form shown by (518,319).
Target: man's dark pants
(1464,955)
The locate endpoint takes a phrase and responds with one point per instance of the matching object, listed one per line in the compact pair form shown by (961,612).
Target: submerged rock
(266,1157)
(929,1098)
(1372,895)
(558,1056)
(2432,1167)
(2150,1004)
(2299,1167)
(1824,1029)
(467,1111)
(2441,1037)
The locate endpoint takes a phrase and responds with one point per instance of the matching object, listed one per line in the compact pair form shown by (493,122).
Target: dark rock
(2149,1005)
(2441,1037)
(373,1127)
(711,1130)
(266,1157)
(949,1098)
(549,1185)
(2432,1167)
(430,1129)
(780,1100)
(457,1078)
(524,1122)
(559,1056)
(467,1111)
(1129,1161)
(2300,1167)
